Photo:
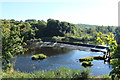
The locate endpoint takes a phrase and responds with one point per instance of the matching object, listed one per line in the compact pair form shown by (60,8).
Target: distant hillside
(88,25)
(85,25)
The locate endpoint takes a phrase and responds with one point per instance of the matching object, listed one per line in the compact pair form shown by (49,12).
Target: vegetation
(37,29)
(117,31)
(107,40)
(87,63)
(12,44)
(15,34)
(115,73)
(92,58)
(61,72)
(86,59)
(115,52)
(114,61)
(39,57)
(98,58)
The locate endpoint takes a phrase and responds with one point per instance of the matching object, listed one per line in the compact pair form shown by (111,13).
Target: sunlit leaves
(103,43)
(107,40)
(11,43)
(100,33)
(115,50)
(99,39)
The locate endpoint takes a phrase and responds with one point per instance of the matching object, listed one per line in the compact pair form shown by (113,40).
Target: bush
(87,63)
(39,57)
(86,59)
(114,61)
(57,38)
(106,76)
(98,57)
(85,74)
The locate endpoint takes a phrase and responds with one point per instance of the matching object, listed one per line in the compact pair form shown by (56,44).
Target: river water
(57,57)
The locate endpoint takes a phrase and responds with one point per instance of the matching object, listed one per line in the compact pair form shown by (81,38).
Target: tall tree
(117,31)
(11,45)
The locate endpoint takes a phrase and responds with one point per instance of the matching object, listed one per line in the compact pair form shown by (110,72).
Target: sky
(94,12)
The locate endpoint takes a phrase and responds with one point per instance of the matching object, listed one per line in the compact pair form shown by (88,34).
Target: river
(60,57)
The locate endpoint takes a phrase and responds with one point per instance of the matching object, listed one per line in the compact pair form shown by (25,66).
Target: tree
(40,28)
(115,73)
(115,50)
(107,40)
(26,31)
(117,31)
(11,46)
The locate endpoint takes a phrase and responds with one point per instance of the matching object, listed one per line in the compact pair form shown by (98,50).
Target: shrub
(57,38)
(114,61)
(39,57)
(85,74)
(86,59)
(86,63)
(106,76)
(98,57)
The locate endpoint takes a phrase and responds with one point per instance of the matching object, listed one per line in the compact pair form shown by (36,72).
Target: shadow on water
(49,51)
(59,57)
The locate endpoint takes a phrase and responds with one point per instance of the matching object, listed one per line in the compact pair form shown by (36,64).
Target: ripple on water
(60,57)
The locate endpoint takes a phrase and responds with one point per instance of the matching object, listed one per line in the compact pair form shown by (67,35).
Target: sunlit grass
(61,72)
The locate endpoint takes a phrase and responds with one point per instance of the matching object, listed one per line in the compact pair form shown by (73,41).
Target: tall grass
(62,72)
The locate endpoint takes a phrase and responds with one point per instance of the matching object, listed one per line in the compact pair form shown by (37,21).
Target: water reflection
(59,57)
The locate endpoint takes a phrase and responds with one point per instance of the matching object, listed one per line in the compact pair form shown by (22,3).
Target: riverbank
(60,73)
(78,51)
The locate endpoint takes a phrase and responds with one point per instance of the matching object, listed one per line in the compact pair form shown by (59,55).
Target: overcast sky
(96,12)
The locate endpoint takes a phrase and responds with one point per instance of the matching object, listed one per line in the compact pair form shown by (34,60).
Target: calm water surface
(60,57)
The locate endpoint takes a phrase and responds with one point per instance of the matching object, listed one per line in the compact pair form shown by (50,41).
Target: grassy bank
(62,72)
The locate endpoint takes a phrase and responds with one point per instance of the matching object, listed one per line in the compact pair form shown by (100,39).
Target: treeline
(16,33)
(55,30)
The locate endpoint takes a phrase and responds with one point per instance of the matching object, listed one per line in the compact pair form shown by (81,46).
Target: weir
(53,43)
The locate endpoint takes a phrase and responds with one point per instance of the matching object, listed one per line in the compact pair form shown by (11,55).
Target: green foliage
(117,31)
(98,58)
(32,28)
(86,59)
(39,56)
(114,61)
(26,31)
(107,77)
(57,28)
(61,72)
(115,73)
(85,74)
(57,38)
(87,63)
(115,50)
(12,44)
(15,33)
(107,40)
